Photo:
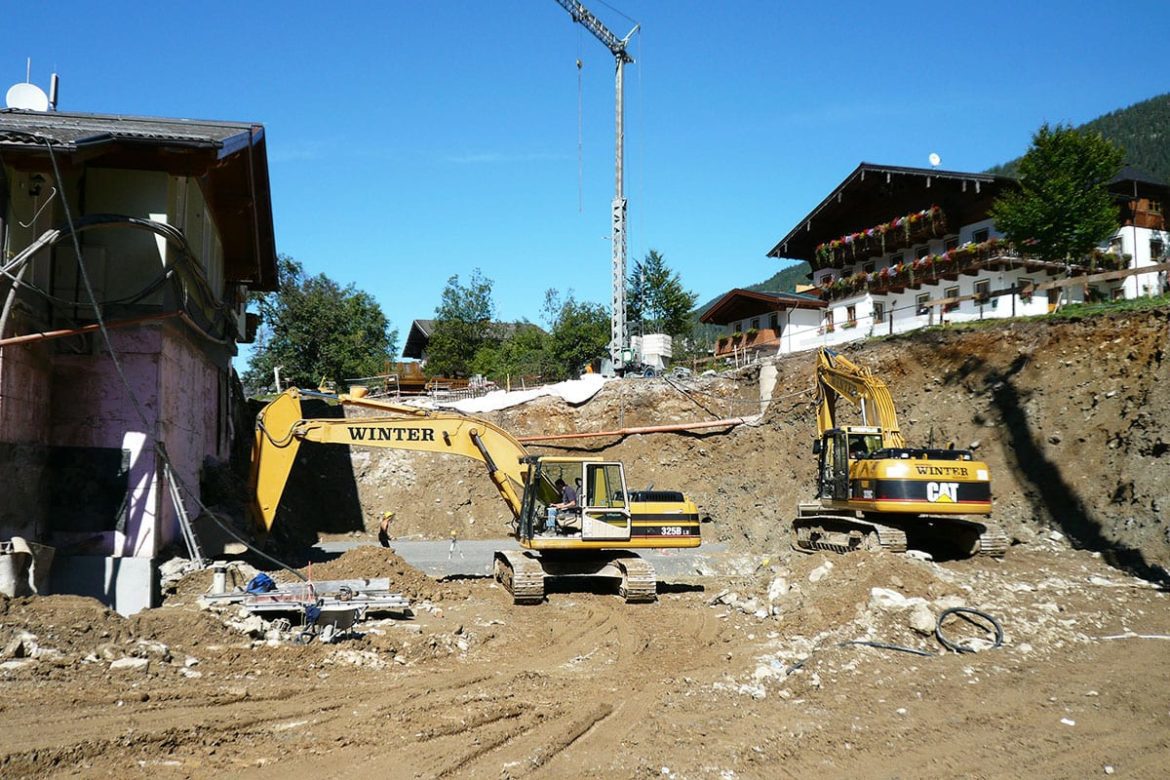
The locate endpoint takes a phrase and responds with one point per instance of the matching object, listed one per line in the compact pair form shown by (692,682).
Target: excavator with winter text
(876,493)
(597,537)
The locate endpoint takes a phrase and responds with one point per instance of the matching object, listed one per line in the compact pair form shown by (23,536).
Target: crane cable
(580,131)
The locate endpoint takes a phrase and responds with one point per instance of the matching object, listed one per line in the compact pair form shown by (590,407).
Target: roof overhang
(739,304)
(228,159)
(417,339)
(875,194)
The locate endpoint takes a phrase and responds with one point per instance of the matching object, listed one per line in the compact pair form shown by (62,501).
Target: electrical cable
(964,612)
(158,447)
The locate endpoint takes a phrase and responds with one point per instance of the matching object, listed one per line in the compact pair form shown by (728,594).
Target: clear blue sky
(409,141)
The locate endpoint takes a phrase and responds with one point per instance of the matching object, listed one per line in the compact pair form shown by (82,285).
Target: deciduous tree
(578,334)
(315,329)
(463,326)
(1062,208)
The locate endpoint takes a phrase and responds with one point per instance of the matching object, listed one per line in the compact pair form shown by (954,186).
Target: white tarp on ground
(573,391)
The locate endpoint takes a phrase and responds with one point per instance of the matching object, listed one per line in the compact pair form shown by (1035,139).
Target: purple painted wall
(24,429)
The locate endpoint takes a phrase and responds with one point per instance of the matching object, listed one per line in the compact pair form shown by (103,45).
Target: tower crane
(618,329)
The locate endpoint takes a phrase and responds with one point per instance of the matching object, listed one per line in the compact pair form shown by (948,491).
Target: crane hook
(578,64)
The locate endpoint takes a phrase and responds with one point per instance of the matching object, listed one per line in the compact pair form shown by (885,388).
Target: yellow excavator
(876,493)
(596,538)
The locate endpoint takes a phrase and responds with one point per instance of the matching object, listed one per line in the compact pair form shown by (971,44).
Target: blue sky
(409,141)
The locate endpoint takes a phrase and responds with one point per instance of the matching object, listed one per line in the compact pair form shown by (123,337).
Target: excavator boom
(837,376)
(280,429)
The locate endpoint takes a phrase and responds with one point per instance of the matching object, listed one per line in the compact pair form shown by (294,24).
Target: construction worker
(384,529)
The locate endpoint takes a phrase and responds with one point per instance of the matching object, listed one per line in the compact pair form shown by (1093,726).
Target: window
(774,321)
(851,315)
(879,312)
(1115,244)
(1157,247)
(980,235)
(739,327)
(1023,285)
(921,252)
(827,326)
(867,268)
(951,243)
(920,307)
(1154,207)
(895,259)
(982,292)
(951,292)
(756,324)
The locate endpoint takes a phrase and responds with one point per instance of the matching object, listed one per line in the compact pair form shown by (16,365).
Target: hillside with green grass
(1142,130)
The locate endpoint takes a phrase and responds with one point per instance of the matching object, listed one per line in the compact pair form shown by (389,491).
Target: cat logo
(942,492)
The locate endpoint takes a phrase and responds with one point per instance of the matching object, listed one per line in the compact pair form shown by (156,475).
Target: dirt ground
(738,671)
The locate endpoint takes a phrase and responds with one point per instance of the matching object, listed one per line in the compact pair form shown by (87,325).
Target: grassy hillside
(1142,130)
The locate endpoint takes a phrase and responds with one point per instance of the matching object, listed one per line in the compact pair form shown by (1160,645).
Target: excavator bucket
(273,454)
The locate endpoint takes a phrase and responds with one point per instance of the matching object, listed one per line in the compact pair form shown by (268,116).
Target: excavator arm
(280,429)
(839,377)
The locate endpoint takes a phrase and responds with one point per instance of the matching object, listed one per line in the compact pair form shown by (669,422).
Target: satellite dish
(27,96)
(934,159)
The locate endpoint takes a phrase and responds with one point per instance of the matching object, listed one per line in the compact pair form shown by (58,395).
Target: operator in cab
(568,501)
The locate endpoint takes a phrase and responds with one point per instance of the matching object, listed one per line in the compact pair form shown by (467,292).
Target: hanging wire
(149,430)
(580,132)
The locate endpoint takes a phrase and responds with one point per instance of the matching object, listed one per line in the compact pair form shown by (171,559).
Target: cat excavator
(597,538)
(876,493)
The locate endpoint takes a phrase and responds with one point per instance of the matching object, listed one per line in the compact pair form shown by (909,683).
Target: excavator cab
(603,504)
(838,448)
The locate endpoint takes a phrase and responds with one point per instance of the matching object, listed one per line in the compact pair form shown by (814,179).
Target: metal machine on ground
(597,539)
(874,492)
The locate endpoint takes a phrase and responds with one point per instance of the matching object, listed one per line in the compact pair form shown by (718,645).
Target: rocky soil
(748,669)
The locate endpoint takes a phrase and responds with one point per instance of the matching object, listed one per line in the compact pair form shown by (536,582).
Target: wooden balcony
(747,341)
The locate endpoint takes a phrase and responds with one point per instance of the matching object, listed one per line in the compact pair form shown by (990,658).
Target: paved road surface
(474,558)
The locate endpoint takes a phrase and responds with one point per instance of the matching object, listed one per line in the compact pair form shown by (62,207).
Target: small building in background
(762,324)
(167,225)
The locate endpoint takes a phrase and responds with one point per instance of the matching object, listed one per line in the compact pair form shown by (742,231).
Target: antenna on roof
(934,159)
(27,96)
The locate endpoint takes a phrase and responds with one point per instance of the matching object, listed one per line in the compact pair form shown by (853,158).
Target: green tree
(656,298)
(578,335)
(464,324)
(1062,208)
(520,353)
(315,329)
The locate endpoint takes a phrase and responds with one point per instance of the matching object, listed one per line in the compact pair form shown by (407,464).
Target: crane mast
(618,331)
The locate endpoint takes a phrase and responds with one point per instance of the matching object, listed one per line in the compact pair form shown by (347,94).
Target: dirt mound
(373,562)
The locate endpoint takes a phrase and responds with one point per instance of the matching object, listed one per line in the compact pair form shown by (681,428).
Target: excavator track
(639,584)
(993,542)
(815,529)
(521,574)
(841,534)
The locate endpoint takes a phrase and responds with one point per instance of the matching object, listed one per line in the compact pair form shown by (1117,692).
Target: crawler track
(521,573)
(639,583)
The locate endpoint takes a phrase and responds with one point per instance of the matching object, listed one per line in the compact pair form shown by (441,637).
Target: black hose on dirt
(964,612)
